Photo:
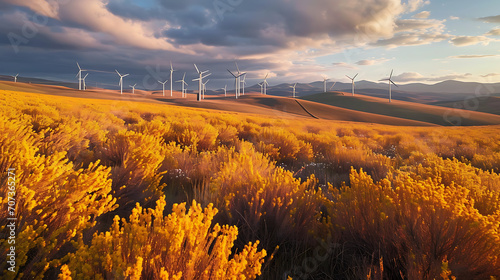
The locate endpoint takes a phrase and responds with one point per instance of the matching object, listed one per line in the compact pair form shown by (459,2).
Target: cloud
(414,5)
(473,56)
(371,61)
(490,75)
(423,15)
(491,19)
(469,40)
(411,39)
(494,32)
(454,18)
(411,32)
(345,65)
(417,77)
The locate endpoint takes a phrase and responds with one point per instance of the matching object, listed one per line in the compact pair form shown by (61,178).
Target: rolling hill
(406,110)
(327,106)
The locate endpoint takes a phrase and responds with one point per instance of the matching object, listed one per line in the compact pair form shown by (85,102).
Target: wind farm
(293,155)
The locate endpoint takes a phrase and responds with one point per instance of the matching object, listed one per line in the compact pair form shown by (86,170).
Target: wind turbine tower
(352,80)
(121,80)
(163,83)
(243,82)
(240,74)
(204,88)
(133,88)
(84,84)
(183,92)
(200,81)
(265,84)
(171,72)
(390,82)
(324,83)
(79,75)
(261,87)
(294,89)
(225,90)
(236,82)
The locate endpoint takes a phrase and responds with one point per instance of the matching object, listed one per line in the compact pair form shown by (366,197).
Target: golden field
(136,189)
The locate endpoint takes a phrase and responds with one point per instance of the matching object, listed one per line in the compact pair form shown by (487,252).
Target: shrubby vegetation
(109,191)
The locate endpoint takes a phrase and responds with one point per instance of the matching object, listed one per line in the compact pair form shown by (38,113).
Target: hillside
(406,110)
(490,104)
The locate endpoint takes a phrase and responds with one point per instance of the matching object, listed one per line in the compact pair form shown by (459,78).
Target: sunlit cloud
(469,40)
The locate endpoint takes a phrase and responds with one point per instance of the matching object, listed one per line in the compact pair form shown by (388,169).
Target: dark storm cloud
(132,36)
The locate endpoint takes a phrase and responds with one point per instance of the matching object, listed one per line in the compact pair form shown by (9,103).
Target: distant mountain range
(446,91)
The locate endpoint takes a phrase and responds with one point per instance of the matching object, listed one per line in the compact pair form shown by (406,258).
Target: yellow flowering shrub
(182,245)
(425,206)
(55,202)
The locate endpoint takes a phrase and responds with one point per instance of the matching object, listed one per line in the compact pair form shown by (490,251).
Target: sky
(291,40)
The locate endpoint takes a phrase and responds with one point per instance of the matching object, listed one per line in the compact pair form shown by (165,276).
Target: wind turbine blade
(393,83)
(390,76)
(118,73)
(355,76)
(83,77)
(266,76)
(197,70)
(125,75)
(204,72)
(184,76)
(231,73)
(333,85)
(349,77)
(78,66)
(206,75)
(237,68)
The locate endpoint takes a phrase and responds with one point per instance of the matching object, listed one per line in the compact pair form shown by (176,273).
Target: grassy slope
(329,106)
(407,110)
(490,105)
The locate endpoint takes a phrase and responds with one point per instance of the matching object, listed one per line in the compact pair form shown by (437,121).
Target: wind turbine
(352,79)
(225,90)
(133,88)
(183,83)
(243,82)
(164,87)
(200,81)
(15,77)
(261,87)
(204,88)
(236,82)
(84,85)
(171,72)
(294,89)
(390,81)
(79,75)
(265,84)
(324,83)
(121,80)
(239,79)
